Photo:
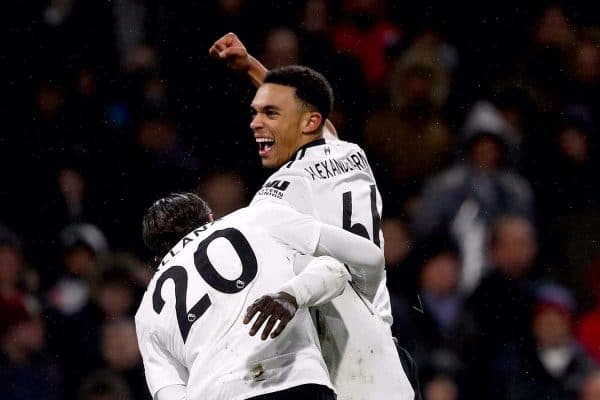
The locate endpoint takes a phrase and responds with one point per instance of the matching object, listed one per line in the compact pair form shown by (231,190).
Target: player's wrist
(288,298)
(256,71)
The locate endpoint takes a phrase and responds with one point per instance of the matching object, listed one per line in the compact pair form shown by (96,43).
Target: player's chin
(269,162)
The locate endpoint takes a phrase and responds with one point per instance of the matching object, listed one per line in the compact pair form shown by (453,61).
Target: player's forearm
(364,259)
(323,279)
(256,71)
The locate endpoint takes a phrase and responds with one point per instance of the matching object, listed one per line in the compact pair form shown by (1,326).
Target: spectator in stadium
(445,334)
(26,372)
(104,385)
(440,387)
(569,217)
(166,163)
(115,292)
(317,51)
(120,354)
(114,295)
(281,48)
(82,244)
(480,187)
(570,170)
(550,366)
(225,190)
(366,33)
(588,326)
(503,301)
(71,320)
(584,69)
(12,269)
(409,135)
(552,50)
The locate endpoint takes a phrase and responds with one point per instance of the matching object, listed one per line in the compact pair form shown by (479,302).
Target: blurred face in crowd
(115,299)
(551,327)
(315,17)
(79,260)
(574,144)
(281,123)
(590,389)
(157,134)
(418,84)
(225,192)
(10,266)
(281,48)
(552,28)
(397,241)
(440,275)
(515,247)
(441,388)
(486,153)
(71,185)
(586,63)
(230,7)
(119,345)
(26,337)
(50,101)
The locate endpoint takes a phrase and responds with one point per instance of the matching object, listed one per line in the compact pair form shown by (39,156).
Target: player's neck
(307,139)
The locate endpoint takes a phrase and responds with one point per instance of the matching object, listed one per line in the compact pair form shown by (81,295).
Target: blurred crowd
(481,124)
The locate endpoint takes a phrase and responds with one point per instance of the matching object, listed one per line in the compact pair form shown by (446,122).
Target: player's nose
(256,123)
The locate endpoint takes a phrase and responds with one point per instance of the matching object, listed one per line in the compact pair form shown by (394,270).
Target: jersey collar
(299,154)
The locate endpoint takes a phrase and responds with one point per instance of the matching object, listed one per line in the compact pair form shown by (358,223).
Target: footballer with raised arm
(331,180)
(191,323)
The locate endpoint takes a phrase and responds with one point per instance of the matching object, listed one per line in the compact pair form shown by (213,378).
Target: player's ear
(311,122)
(211,218)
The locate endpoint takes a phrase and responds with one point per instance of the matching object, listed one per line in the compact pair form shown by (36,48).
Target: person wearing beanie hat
(552,365)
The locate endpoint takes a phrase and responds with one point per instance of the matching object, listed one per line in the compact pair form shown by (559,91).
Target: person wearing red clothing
(588,328)
(368,36)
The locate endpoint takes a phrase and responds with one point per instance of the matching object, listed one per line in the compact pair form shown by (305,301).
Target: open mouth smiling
(264,145)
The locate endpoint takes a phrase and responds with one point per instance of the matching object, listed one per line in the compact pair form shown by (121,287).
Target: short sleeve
(291,189)
(300,232)
(160,367)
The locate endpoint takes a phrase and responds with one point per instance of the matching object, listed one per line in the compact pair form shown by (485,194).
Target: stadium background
(480,121)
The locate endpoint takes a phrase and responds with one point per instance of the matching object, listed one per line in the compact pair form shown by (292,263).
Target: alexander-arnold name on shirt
(332,167)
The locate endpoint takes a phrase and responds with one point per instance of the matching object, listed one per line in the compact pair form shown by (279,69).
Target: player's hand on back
(231,50)
(276,307)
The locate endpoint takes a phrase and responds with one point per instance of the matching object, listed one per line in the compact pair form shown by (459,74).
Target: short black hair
(171,218)
(312,88)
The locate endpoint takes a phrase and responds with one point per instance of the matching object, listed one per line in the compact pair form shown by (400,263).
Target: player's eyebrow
(265,108)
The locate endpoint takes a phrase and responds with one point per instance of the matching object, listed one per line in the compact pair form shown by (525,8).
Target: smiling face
(281,123)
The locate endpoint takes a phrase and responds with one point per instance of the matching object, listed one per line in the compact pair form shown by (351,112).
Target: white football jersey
(332,180)
(189,323)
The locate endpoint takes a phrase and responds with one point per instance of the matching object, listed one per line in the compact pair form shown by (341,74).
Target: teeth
(264,143)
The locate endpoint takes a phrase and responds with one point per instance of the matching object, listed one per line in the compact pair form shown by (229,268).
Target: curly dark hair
(312,88)
(171,218)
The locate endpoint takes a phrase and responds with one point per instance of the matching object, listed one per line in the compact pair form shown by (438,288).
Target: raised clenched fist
(231,50)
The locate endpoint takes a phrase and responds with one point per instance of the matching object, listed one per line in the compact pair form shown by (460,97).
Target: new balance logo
(327,151)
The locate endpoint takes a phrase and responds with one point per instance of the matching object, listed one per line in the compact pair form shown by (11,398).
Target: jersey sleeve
(172,392)
(318,281)
(365,260)
(292,189)
(298,231)
(160,367)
